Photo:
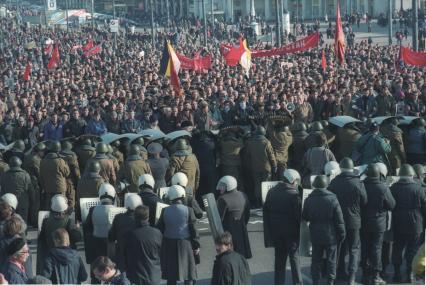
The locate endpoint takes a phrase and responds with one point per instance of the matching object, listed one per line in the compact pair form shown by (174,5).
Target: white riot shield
(158,210)
(86,204)
(266,186)
(112,212)
(162,192)
(305,237)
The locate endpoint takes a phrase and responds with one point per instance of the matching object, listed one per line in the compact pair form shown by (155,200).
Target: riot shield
(266,186)
(215,222)
(305,238)
(158,210)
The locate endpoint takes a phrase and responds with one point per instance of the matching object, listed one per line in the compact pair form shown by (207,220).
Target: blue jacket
(416,141)
(13,274)
(96,128)
(65,263)
(53,133)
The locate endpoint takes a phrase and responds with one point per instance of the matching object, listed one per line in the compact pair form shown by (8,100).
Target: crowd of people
(71,132)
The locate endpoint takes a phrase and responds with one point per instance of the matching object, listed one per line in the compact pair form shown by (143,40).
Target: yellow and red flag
(170,66)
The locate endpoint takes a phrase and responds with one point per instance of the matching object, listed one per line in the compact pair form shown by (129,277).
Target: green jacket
(373,148)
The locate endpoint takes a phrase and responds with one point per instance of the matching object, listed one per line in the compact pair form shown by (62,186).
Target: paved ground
(261,265)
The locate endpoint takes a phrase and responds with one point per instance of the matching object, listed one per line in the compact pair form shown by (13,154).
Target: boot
(377,280)
(351,280)
(397,278)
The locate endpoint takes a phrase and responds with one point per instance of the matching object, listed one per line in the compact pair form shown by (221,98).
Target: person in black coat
(64,265)
(327,228)
(407,219)
(181,179)
(283,206)
(121,225)
(230,267)
(142,251)
(234,211)
(373,223)
(105,271)
(149,198)
(351,194)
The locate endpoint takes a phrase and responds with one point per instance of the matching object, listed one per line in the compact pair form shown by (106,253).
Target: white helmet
(180,178)
(132,201)
(59,203)
(175,192)
(106,191)
(146,180)
(11,200)
(227,183)
(383,169)
(332,169)
(291,175)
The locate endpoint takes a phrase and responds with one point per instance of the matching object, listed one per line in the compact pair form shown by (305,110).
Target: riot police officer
(183,160)
(284,206)
(327,228)
(71,159)
(407,220)
(297,149)
(346,139)
(316,129)
(181,179)
(373,220)
(85,152)
(89,184)
(133,167)
(390,130)
(281,139)
(107,167)
(149,198)
(351,194)
(54,172)
(18,182)
(17,150)
(234,211)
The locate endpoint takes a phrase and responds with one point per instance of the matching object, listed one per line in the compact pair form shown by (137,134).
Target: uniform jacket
(380,200)
(351,194)
(260,154)
(230,268)
(323,211)
(53,174)
(346,141)
(84,154)
(88,185)
(282,206)
(229,149)
(107,168)
(410,208)
(373,148)
(133,168)
(280,142)
(186,163)
(397,154)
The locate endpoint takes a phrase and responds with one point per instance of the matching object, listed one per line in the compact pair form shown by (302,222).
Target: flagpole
(66,14)
(278,31)
(93,11)
(205,22)
(152,24)
(415,25)
(390,22)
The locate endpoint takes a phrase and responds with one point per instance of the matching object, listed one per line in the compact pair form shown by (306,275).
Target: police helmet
(87,142)
(227,183)
(346,164)
(260,131)
(406,170)
(324,123)
(181,144)
(373,170)
(320,182)
(138,141)
(291,175)
(11,200)
(132,201)
(19,145)
(180,178)
(107,191)
(420,170)
(298,127)
(316,126)
(15,162)
(134,149)
(420,122)
(94,166)
(176,192)
(383,169)
(40,147)
(101,148)
(55,146)
(66,146)
(59,203)
(146,180)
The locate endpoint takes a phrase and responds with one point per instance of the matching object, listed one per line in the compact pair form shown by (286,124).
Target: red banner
(27,72)
(55,58)
(94,50)
(339,38)
(306,43)
(411,57)
(197,63)
(88,46)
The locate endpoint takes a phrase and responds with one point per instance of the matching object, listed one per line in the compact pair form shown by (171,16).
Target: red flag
(48,49)
(198,63)
(54,59)
(323,61)
(88,45)
(27,72)
(339,39)
(234,54)
(95,50)
(411,57)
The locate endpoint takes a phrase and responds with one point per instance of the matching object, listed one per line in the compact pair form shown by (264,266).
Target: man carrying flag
(27,72)
(170,66)
(339,39)
(323,62)
(54,59)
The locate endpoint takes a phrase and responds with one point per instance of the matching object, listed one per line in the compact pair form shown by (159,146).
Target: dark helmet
(406,170)
(298,127)
(316,126)
(181,144)
(55,146)
(420,170)
(139,141)
(324,123)
(373,170)
(134,149)
(346,163)
(87,142)
(392,121)
(110,149)
(94,166)
(374,127)
(15,161)
(101,148)
(116,143)
(420,122)
(19,145)
(66,145)
(260,131)
(320,182)
(40,147)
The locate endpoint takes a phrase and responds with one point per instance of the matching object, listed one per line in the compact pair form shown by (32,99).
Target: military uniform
(54,173)
(262,162)
(186,162)
(71,159)
(3,166)
(280,141)
(118,155)
(397,154)
(133,168)
(18,182)
(32,166)
(88,186)
(311,140)
(84,154)
(107,168)
(297,149)
(346,141)
(230,157)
